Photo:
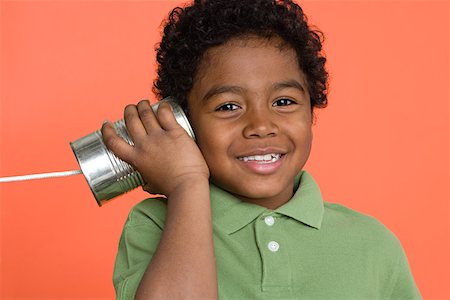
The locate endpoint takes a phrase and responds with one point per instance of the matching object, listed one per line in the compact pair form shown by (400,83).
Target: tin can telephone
(106,175)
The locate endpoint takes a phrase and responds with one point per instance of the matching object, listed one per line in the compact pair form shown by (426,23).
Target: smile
(262,159)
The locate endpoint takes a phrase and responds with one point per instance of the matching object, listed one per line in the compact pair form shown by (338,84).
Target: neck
(272,202)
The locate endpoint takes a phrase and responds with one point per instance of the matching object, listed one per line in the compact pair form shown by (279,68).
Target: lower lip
(263,168)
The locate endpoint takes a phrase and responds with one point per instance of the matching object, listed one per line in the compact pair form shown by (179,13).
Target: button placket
(270,242)
(273,246)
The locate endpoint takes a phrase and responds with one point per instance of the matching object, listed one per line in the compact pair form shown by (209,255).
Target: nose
(260,123)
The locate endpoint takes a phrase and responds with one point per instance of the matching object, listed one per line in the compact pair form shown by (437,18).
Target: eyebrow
(292,83)
(222,89)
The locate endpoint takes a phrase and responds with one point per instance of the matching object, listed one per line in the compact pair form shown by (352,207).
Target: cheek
(302,138)
(217,149)
(212,143)
(308,145)
(308,138)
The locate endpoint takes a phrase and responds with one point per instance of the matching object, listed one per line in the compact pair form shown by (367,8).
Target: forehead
(238,46)
(249,61)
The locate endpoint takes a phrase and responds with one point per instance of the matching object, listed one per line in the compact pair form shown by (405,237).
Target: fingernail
(168,104)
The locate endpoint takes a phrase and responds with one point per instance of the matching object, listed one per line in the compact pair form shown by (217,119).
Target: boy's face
(251,113)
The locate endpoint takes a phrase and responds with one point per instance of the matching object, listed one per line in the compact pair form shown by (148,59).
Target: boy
(241,219)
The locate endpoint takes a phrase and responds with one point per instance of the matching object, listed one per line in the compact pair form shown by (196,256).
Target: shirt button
(273,246)
(269,220)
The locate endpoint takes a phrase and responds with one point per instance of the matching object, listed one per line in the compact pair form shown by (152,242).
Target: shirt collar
(306,206)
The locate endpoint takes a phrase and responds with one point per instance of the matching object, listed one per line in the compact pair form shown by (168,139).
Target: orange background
(381,147)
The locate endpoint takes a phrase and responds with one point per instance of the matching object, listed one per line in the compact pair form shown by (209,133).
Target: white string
(39,176)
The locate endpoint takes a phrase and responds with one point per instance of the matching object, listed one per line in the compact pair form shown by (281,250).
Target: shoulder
(372,245)
(149,210)
(138,243)
(359,227)
(342,216)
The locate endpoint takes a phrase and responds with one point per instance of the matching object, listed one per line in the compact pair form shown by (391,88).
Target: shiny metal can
(106,174)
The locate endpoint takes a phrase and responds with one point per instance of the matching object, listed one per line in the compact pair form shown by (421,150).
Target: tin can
(106,174)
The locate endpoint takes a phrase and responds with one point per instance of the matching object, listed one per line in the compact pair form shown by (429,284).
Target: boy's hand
(163,152)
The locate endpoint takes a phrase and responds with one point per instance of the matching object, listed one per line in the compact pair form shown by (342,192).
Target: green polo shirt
(306,249)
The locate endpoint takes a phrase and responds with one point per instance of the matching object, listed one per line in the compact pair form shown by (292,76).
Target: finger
(166,117)
(115,143)
(147,116)
(133,122)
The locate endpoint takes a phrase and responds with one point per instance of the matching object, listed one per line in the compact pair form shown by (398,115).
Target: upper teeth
(266,158)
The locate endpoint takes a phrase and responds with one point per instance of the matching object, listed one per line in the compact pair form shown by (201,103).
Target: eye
(227,107)
(283,102)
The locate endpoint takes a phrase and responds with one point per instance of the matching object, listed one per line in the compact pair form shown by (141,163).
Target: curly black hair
(190,31)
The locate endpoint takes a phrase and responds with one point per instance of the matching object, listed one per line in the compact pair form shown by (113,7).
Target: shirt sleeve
(138,242)
(404,287)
